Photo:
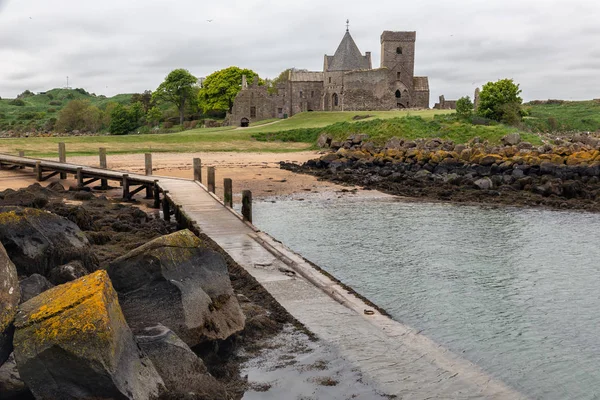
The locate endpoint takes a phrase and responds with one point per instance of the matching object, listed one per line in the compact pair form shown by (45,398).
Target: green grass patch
(408,127)
(563,116)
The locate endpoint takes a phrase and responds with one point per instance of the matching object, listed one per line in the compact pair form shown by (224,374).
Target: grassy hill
(36,110)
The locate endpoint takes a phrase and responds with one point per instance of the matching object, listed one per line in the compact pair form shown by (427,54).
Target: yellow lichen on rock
(77,316)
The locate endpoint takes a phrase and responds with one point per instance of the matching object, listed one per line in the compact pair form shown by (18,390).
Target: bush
(70,96)
(82,91)
(79,115)
(17,102)
(167,125)
(50,96)
(26,116)
(51,110)
(26,93)
(464,107)
(55,103)
(552,124)
(499,98)
(194,124)
(49,125)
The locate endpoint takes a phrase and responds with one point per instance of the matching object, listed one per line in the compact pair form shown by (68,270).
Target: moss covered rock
(9,301)
(72,342)
(38,241)
(177,282)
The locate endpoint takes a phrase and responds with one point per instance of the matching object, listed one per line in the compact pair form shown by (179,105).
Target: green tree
(153,116)
(500,101)
(176,89)
(79,115)
(220,88)
(122,121)
(144,98)
(464,107)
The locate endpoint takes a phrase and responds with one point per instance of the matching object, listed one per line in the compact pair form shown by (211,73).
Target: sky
(551,48)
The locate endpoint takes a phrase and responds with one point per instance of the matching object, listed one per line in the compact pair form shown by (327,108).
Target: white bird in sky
(209,20)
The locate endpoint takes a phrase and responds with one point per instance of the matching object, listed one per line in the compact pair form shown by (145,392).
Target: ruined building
(348,83)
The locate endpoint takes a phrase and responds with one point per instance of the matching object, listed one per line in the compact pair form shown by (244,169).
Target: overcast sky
(552,48)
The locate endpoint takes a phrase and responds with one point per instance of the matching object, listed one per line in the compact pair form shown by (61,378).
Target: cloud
(110,47)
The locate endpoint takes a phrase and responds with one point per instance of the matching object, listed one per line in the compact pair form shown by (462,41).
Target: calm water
(515,291)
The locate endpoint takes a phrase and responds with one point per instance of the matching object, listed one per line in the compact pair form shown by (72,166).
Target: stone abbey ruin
(348,82)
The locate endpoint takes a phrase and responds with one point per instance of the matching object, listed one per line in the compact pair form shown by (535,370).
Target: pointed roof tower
(347,57)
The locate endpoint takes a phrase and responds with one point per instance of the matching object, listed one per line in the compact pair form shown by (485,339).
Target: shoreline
(338,303)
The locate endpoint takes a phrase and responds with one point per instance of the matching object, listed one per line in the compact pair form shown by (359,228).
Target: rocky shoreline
(103,300)
(561,174)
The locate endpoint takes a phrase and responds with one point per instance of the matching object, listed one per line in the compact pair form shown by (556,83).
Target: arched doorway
(398,94)
(245,122)
(334,100)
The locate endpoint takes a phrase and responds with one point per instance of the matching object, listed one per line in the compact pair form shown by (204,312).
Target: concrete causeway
(392,357)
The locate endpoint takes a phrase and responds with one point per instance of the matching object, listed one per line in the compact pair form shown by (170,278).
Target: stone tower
(398,54)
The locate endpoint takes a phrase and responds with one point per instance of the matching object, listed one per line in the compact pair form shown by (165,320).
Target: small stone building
(348,83)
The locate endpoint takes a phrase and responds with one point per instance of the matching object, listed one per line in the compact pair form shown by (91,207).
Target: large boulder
(512,139)
(9,301)
(32,286)
(72,342)
(175,281)
(182,371)
(38,241)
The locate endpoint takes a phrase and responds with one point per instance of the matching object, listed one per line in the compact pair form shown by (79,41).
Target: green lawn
(201,139)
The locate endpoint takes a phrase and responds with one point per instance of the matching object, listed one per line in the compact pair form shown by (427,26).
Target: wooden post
(79,176)
(198,170)
(125,186)
(62,158)
(228,192)
(247,205)
(38,171)
(156,195)
(102,154)
(21,154)
(166,207)
(211,179)
(148,159)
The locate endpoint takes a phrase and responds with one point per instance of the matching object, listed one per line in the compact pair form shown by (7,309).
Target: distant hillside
(559,116)
(34,112)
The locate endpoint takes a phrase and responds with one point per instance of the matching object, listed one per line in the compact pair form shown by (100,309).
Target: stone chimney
(368,56)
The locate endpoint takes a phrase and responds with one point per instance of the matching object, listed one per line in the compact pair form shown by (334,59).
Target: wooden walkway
(392,357)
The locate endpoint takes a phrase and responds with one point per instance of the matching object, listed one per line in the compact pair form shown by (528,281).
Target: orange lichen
(78,316)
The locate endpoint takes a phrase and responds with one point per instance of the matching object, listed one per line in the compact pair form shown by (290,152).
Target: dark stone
(38,241)
(11,385)
(182,371)
(72,342)
(67,272)
(33,196)
(83,195)
(33,286)
(175,281)
(9,301)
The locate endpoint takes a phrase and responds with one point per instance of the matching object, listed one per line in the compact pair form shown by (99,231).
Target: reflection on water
(515,291)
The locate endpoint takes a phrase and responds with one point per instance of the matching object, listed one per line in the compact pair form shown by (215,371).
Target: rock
(524,146)
(56,187)
(512,139)
(324,140)
(358,138)
(422,174)
(182,371)
(484,184)
(491,159)
(175,281)
(67,273)
(72,342)
(11,385)
(38,241)
(9,301)
(33,286)
(336,145)
(32,196)
(394,144)
(369,147)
